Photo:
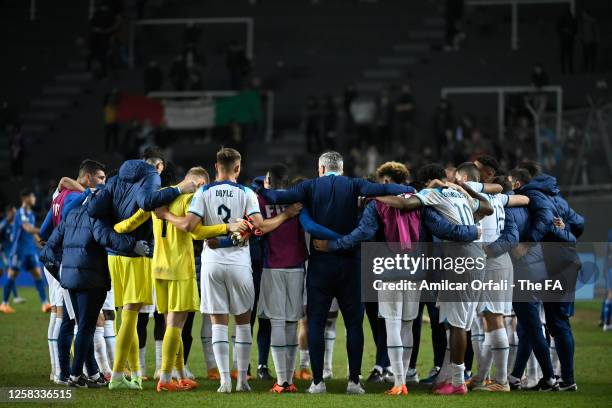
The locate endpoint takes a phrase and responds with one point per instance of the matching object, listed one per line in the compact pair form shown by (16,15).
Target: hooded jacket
(545,203)
(78,244)
(136,186)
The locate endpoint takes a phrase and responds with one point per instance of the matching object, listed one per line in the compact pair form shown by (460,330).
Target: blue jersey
(23,242)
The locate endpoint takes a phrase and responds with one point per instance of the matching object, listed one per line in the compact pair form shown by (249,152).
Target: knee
(109,314)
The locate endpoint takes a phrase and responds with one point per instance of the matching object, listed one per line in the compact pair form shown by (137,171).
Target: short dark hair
(504,182)
(520,174)
(227,156)
(279,175)
(430,172)
(91,167)
(489,161)
(531,166)
(25,192)
(470,170)
(297,180)
(154,153)
(168,176)
(397,172)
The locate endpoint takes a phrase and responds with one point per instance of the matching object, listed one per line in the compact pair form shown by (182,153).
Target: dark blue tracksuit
(560,258)
(332,202)
(517,228)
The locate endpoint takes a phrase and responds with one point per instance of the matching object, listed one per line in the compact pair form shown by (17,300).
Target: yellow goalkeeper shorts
(176,295)
(132,280)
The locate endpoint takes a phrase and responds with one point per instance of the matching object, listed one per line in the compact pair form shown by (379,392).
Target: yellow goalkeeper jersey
(173,256)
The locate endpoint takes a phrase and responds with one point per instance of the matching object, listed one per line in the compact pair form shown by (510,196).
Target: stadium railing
(514,37)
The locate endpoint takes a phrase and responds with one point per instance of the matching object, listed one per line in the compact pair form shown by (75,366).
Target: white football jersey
(491,225)
(221,203)
(456,207)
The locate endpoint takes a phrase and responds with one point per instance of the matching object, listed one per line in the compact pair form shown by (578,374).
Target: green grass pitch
(24,362)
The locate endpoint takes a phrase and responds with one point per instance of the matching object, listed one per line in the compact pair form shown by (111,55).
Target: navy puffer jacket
(136,186)
(78,245)
(545,202)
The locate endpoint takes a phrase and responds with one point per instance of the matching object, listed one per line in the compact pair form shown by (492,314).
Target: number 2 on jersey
(228,213)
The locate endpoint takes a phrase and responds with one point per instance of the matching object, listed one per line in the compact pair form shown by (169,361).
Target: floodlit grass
(24,362)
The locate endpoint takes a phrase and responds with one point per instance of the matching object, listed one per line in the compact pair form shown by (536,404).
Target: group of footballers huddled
(127,243)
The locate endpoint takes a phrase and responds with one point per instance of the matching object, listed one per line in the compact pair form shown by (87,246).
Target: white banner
(194,114)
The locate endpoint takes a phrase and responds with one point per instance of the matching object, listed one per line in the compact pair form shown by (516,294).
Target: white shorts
(498,301)
(68,303)
(458,314)
(399,304)
(109,302)
(55,290)
(226,289)
(280,294)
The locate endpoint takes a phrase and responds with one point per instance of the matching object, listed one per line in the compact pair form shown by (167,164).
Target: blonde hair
(199,172)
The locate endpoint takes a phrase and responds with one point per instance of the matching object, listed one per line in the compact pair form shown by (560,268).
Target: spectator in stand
(191,36)
(453,16)
(566,29)
(153,77)
(312,126)
(17,151)
(363,114)
(103,25)
(539,79)
(179,73)
(589,34)
(238,65)
(384,121)
(111,124)
(350,93)
(404,115)
(443,123)
(329,117)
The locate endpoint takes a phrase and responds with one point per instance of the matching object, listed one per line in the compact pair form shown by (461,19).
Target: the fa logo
(552,285)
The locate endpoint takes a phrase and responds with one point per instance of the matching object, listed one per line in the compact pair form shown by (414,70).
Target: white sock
(500,350)
(142,353)
(330,339)
(487,358)
(395,349)
(278,346)
(56,331)
(109,338)
(554,357)
(100,350)
(291,337)
(220,345)
(242,351)
(458,370)
(477,338)
(512,341)
(304,358)
(51,340)
(445,371)
(233,344)
(207,346)
(158,354)
(407,342)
